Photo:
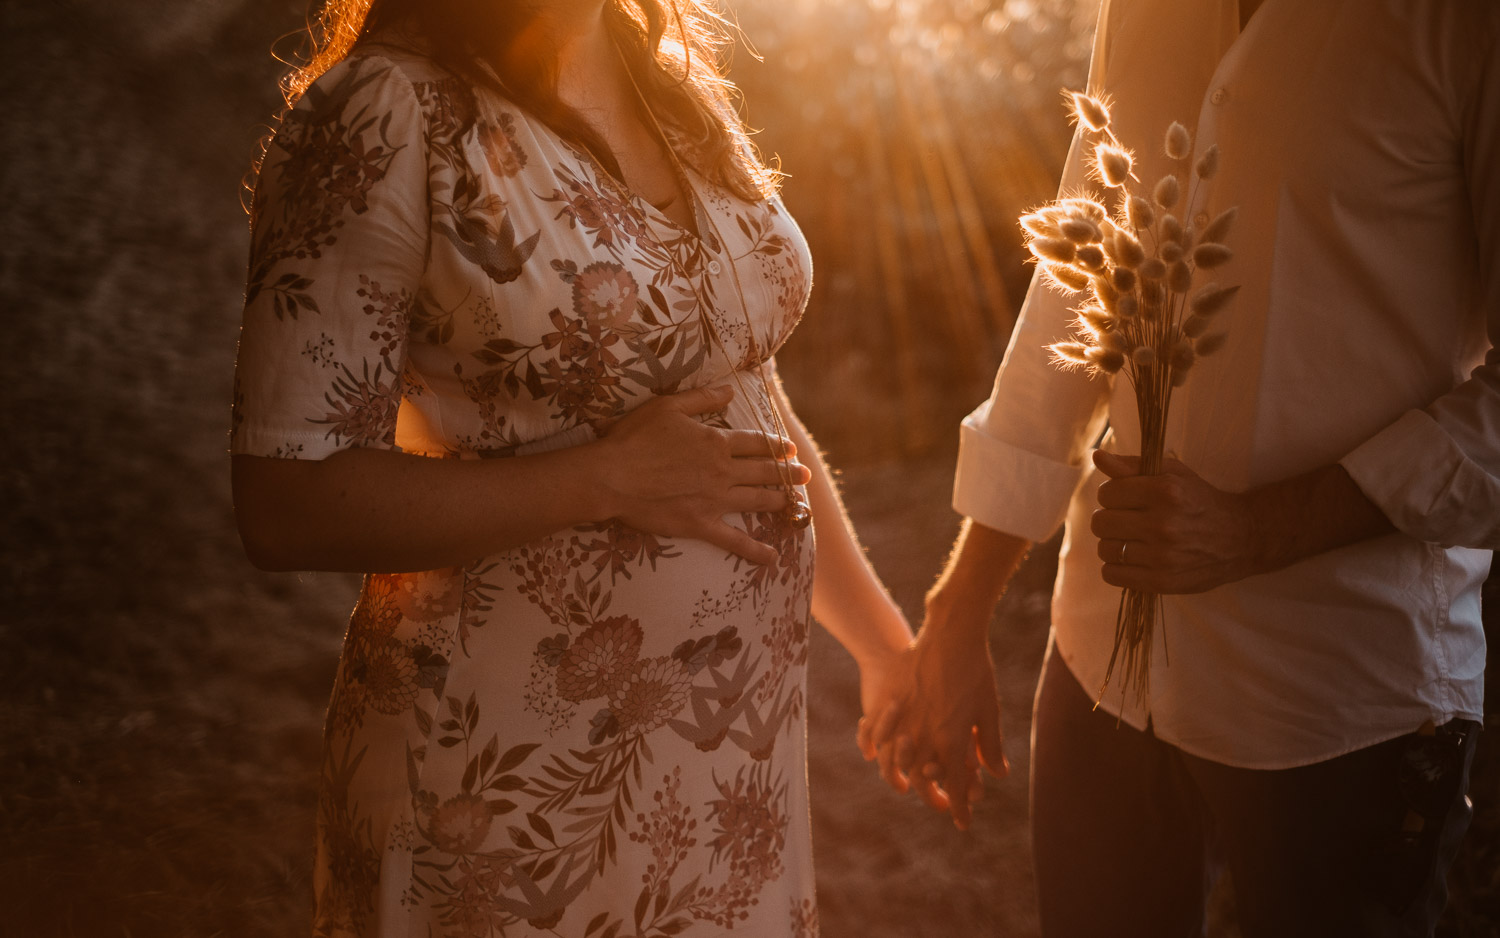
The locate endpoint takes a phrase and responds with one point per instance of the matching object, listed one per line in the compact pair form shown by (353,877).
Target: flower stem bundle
(1143,312)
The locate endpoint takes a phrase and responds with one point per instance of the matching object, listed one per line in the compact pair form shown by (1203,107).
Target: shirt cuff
(1010,489)
(1424,483)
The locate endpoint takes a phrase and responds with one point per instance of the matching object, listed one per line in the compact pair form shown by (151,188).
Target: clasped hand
(668,473)
(938,722)
(936,719)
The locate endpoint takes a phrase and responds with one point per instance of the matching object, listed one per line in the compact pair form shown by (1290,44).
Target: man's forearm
(1309,514)
(974,578)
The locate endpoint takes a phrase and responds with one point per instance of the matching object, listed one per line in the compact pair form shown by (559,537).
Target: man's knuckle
(1175,490)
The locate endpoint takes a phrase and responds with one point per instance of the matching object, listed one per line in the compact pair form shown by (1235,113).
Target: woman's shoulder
(398,59)
(396,81)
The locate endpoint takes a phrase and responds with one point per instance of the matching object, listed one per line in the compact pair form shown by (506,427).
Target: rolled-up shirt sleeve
(1435,472)
(1023,451)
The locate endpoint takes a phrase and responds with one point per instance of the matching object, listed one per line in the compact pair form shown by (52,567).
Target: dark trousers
(1128,832)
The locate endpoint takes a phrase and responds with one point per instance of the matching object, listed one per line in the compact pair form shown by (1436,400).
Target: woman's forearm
(372,510)
(659,469)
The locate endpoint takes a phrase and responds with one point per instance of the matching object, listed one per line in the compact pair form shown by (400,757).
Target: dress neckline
(648,211)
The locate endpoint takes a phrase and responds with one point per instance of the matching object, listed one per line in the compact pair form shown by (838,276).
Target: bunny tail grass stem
(1140,611)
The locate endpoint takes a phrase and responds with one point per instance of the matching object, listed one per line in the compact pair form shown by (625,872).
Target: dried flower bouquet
(1135,269)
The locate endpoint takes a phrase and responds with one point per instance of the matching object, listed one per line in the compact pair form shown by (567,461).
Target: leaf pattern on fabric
(599,733)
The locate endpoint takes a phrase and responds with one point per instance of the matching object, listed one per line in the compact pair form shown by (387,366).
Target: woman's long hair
(671,48)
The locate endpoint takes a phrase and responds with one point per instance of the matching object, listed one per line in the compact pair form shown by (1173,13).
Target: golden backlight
(914,134)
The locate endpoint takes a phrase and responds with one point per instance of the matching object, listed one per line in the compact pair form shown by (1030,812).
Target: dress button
(1218,96)
(715,268)
(1200,219)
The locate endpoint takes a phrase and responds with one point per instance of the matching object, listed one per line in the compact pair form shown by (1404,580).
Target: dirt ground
(162,702)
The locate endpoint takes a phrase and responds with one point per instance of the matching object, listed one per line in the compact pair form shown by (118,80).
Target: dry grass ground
(161,705)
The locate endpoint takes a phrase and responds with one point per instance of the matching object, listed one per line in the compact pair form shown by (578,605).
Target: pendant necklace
(797,512)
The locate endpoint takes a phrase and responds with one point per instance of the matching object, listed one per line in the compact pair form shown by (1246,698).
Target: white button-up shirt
(1360,140)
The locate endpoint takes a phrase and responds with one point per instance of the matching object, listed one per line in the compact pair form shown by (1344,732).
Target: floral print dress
(599,733)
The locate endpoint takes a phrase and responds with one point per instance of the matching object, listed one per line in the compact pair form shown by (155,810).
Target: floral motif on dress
(597,733)
(332,161)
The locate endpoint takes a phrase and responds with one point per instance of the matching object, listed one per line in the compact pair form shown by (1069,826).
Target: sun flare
(913,135)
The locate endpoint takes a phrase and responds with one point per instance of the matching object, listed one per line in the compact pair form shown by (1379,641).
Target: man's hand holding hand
(940,719)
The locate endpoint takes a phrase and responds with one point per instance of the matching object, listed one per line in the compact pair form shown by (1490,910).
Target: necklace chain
(797,511)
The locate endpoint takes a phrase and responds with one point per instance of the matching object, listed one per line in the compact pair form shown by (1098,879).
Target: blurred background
(162,701)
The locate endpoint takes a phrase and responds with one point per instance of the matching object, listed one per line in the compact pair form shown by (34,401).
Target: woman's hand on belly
(669,474)
(379,511)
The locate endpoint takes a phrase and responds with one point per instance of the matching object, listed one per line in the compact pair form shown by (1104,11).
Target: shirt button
(1218,96)
(715,268)
(1200,219)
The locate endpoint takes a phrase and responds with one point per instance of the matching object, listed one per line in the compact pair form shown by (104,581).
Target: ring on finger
(1124,545)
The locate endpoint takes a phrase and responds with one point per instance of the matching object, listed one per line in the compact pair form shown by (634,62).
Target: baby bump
(592,630)
(549,629)
(497,715)
(557,625)
(603,636)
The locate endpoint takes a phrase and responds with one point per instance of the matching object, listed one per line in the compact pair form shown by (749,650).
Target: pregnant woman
(516,282)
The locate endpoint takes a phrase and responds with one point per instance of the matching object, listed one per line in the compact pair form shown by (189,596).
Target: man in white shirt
(1312,715)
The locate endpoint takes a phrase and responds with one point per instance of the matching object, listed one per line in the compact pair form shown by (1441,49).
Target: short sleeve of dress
(339,230)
